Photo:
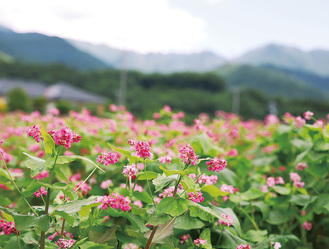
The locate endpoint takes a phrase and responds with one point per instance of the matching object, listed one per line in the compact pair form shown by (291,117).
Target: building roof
(32,88)
(59,91)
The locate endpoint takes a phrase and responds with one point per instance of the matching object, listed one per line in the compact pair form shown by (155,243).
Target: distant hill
(152,62)
(38,48)
(317,81)
(271,82)
(316,61)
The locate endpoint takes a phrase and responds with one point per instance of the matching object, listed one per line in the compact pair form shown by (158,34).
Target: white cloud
(143,25)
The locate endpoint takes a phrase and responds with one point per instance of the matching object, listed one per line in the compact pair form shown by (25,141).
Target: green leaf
(162,181)
(49,142)
(278,217)
(25,221)
(321,146)
(101,238)
(172,172)
(229,211)
(155,220)
(186,222)
(256,235)
(282,190)
(72,219)
(263,161)
(230,240)
(36,164)
(150,175)
(164,234)
(302,200)
(85,210)
(322,204)
(213,191)
(189,183)
(264,208)
(67,159)
(143,196)
(252,194)
(59,173)
(206,235)
(73,206)
(172,206)
(228,176)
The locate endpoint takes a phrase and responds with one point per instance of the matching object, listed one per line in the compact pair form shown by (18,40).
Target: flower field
(81,181)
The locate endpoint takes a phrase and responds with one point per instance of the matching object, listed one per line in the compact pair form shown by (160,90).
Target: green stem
(148,185)
(248,216)
(149,242)
(12,180)
(194,181)
(19,244)
(176,186)
(43,234)
(221,234)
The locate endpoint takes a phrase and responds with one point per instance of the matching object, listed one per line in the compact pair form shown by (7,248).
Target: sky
(228,28)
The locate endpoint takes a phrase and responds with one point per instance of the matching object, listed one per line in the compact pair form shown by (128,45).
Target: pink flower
(199,242)
(143,149)
(228,219)
(34,147)
(227,188)
(40,192)
(130,246)
(65,243)
(35,132)
(156,115)
(184,238)
(42,174)
(307,225)
(299,184)
(279,180)
(277,245)
(130,170)
(188,155)
(65,136)
(106,184)
(225,198)
(165,159)
(270,182)
(196,197)
(114,200)
(301,166)
(8,228)
(232,152)
(41,153)
(242,246)
(138,203)
(54,111)
(107,158)
(299,122)
(308,115)
(84,187)
(216,164)
(295,177)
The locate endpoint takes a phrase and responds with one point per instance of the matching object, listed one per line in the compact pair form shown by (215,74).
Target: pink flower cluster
(65,136)
(42,174)
(130,246)
(227,188)
(297,180)
(35,132)
(66,234)
(196,197)
(7,157)
(216,164)
(308,115)
(184,238)
(307,225)
(129,170)
(165,159)
(106,184)
(114,201)
(169,192)
(142,148)
(107,158)
(84,187)
(41,191)
(242,246)
(187,154)
(199,242)
(207,180)
(271,181)
(7,228)
(301,166)
(226,217)
(65,243)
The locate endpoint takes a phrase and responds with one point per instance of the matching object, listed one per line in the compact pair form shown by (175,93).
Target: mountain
(271,82)
(152,62)
(39,48)
(316,61)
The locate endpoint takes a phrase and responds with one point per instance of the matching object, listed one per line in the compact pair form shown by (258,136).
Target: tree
(19,100)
